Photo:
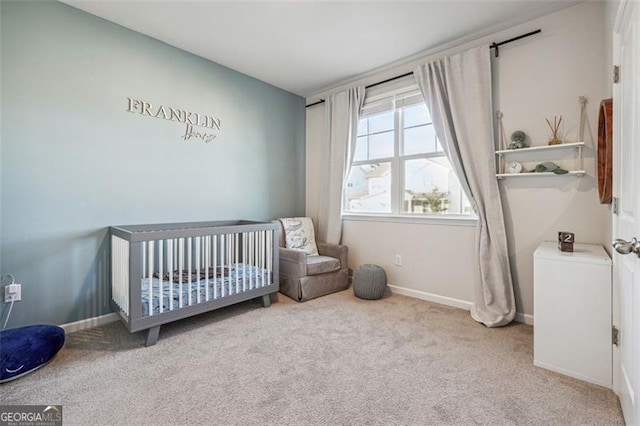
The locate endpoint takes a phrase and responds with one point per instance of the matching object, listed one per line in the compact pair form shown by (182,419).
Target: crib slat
(250,259)
(235,263)
(222,263)
(229,259)
(180,268)
(256,260)
(150,277)
(170,255)
(264,257)
(261,258)
(197,242)
(189,270)
(244,261)
(160,274)
(207,242)
(215,265)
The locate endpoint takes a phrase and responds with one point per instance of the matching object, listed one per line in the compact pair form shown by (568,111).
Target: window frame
(396,101)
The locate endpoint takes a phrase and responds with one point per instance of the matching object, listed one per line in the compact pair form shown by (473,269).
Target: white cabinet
(539,154)
(572,312)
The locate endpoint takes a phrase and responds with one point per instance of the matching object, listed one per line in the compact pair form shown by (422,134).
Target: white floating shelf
(578,173)
(541,148)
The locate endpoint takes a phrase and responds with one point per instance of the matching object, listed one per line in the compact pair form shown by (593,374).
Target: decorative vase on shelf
(555,141)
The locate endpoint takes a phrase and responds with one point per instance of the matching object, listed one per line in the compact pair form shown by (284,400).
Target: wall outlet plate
(12,289)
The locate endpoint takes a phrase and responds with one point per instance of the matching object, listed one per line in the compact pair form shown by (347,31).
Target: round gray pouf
(369,282)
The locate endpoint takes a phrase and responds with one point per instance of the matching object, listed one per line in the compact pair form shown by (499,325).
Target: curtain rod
(492,46)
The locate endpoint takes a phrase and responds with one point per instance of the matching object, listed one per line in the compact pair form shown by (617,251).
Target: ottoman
(369,282)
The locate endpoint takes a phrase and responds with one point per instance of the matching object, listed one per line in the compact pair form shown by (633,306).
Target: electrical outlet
(12,290)
(398,260)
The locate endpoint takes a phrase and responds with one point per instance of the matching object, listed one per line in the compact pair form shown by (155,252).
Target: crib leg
(266,301)
(152,336)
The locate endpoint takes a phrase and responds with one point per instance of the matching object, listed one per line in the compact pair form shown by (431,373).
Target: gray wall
(74,161)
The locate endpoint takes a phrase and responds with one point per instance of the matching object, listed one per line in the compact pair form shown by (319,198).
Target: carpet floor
(332,360)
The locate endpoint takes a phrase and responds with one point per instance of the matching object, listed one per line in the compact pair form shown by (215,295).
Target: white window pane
(419,140)
(431,187)
(381,145)
(416,115)
(360,153)
(368,189)
(381,122)
(362,127)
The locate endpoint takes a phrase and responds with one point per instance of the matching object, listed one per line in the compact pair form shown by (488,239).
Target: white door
(626,223)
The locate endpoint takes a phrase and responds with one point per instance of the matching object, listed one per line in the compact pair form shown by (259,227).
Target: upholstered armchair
(309,269)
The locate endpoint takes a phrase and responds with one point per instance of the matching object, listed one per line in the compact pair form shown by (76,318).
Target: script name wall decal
(190,119)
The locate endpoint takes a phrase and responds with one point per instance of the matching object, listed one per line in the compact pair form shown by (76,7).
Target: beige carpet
(333,360)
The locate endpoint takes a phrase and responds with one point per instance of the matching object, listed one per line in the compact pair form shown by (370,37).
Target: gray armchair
(304,277)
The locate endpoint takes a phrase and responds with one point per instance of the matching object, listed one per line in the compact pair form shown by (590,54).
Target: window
(399,166)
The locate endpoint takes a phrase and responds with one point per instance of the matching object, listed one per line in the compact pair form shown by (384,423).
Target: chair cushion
(299,234)
(25,349)
(317,265)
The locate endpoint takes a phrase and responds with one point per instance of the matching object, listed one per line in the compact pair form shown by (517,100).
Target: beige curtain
(457,90)
(342,111)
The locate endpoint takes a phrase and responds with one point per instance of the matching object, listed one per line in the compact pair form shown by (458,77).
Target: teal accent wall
(74,161)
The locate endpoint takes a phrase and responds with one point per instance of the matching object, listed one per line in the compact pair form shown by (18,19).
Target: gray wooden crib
(165,272)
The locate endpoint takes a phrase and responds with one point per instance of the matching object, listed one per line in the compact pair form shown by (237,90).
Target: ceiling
(308,46)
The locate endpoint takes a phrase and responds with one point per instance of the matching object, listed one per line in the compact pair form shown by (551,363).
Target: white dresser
(572,312)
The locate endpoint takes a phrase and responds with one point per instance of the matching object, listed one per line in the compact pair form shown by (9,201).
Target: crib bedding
(236,278)
(193,275)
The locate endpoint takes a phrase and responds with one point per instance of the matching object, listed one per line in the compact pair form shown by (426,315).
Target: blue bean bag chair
(25,349)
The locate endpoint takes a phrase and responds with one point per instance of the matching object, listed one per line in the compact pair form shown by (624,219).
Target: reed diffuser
(555,140)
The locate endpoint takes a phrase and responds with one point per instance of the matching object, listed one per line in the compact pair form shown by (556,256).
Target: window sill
(423,220)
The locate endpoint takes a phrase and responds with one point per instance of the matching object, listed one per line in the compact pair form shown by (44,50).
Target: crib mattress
(237,278)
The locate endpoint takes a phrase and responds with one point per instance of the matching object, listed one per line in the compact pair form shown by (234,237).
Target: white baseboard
(430,297)
(417,294)
(449,301)
(524,318)
(89,323)
(598,381)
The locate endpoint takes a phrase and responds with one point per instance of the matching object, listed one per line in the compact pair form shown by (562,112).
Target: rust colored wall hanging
(605,127)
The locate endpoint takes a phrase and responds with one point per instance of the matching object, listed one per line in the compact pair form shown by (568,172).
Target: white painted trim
(416,294)
(619,16)
(606,384)
(524,318)
(430,297)
(461,220)
(89,323)
(449,301)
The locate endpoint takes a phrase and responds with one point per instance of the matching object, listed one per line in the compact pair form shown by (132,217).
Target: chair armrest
(337,251)
(293,262)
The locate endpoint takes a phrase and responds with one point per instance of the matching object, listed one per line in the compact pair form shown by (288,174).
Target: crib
(165,272)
